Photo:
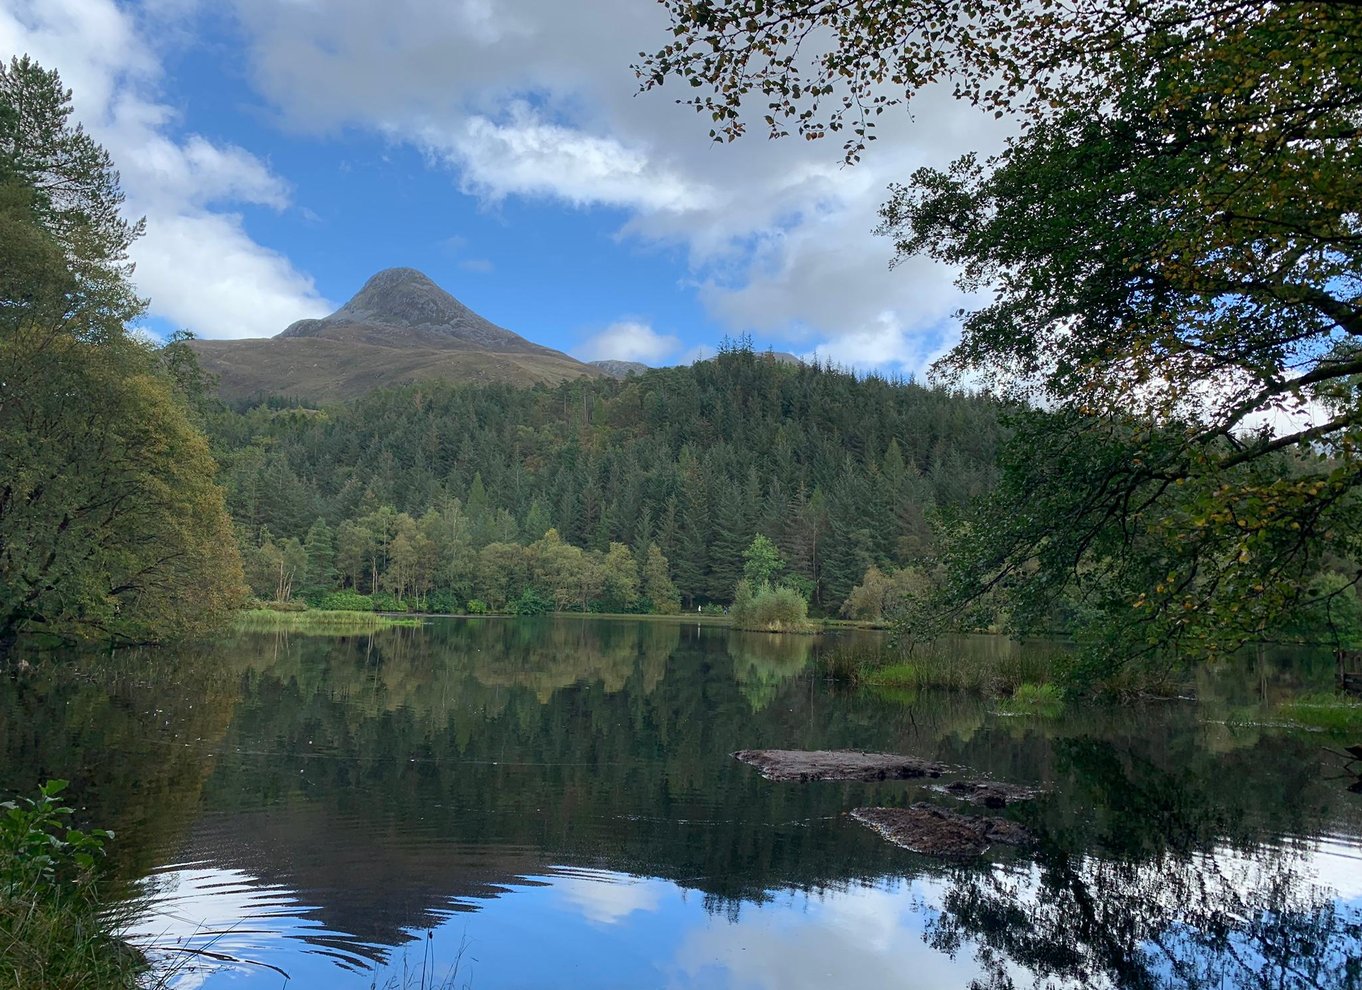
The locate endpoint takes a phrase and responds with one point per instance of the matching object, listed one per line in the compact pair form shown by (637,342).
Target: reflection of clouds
(860,937)
(202,921)
(605,898)
(1333,864)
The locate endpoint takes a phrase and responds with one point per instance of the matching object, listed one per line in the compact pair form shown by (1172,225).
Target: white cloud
(529,157)
(197,263)
(859,937)
(629,341)
(517,98)
(607,898)
(188,262)
(531,98)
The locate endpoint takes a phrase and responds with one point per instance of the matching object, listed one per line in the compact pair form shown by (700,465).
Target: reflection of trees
(1180,922)
(381,775)
(1153,894)
(546,656)
(134,732)
(762,662)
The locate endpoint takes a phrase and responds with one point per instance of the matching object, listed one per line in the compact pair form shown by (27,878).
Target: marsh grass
(937,666)
(63,943)
(1324,710)
(54,931)
(1043,700)
(318,622)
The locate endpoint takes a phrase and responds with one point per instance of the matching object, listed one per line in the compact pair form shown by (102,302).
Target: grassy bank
(318,622)
(54,931)
(1329,712)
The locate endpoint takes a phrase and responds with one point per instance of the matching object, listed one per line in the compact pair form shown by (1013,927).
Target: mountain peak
(398,302)
(403,297)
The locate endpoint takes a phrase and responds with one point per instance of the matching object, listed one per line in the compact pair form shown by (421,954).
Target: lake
(538,803)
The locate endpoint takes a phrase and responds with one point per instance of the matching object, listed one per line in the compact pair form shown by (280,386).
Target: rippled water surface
(553,803)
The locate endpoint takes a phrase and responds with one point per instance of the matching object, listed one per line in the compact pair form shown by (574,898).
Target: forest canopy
(680,468)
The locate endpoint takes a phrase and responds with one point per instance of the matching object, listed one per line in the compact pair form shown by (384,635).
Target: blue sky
(284,150)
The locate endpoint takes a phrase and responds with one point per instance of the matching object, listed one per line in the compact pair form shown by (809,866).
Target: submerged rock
(840,764)
(989,793)
(933,831)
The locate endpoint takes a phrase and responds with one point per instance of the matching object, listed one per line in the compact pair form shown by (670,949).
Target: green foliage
(346,601)
(1334,713)
(1045,700)
(762,563)
(1170,247)
(53,929)
(880,596)
(111,523)
(769,609)
(1158,327)
(674,460)
(443,602)
(530,602)
(385,602)
(40,852)
(1003,670)
(477,606)
(657,587)
(318,621)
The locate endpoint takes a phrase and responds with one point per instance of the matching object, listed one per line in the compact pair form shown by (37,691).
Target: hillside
(841,472)
(398,329)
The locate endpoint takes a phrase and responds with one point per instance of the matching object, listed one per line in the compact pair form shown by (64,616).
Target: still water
(552,803)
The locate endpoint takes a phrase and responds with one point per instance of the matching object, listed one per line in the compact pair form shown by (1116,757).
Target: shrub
(346,601)
(770,609)
(476,606)
(39,850)
(530,602)
(54,932)
(442,601)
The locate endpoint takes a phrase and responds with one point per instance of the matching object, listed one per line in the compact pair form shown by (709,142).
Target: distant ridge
(619,369)
(400,327)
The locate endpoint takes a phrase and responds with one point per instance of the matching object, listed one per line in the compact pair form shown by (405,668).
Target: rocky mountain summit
(399,303)
(400,327)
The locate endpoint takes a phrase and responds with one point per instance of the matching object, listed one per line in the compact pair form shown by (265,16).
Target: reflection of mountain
(367,881)
(387,780)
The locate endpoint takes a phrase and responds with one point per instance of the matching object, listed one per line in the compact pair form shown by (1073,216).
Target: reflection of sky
(583,928)
(596,928)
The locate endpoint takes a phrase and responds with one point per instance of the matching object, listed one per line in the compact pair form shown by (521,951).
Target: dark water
(552,803)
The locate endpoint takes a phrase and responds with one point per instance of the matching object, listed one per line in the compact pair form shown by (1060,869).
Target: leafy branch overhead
(1169,249)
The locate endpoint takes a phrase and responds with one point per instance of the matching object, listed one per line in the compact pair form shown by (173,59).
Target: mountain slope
(400,327)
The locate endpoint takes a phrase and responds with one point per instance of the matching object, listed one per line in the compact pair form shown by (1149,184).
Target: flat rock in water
(933,831)
(839,764)
(989,793)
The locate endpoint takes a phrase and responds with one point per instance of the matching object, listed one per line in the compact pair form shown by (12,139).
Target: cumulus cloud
(530,98)
(606,898)
(629,341)
(197,263)
(528,156)
(516,98)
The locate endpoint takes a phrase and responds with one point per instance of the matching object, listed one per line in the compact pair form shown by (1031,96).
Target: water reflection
(553,803)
